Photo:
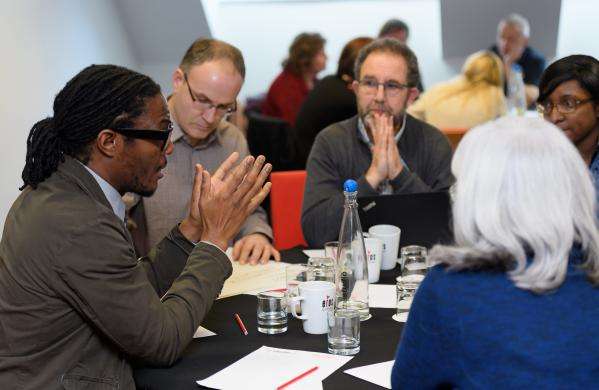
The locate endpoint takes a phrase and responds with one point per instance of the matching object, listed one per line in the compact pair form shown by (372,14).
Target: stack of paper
(248,278)
(257,371)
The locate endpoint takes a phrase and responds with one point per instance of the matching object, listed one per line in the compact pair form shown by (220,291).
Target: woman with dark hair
(569,98)
(332,100)
(287,92)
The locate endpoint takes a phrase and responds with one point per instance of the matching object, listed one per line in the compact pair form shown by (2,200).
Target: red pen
(297,378)
(241,325)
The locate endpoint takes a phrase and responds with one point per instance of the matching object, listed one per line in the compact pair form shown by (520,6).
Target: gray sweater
(339,154)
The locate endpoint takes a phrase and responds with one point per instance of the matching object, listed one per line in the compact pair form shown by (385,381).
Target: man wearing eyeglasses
(385,149)
(205,89)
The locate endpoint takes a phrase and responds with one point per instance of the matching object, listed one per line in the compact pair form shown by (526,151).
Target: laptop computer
(424,218)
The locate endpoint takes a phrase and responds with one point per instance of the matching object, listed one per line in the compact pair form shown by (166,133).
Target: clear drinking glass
(272,312)
(413,260)
(406,289)
(321,268)
(344,331)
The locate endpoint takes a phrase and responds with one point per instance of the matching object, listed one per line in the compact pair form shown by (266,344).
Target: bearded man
(386,150)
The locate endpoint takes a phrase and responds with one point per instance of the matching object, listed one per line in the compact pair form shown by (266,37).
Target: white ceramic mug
(374,254)
(389,235)
(317,298)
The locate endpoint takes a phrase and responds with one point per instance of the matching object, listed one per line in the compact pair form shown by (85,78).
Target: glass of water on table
(413,269)
(272,312)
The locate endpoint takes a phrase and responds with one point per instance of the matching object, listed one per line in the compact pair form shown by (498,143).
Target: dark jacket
(329,102)
(76,305)
(339,154)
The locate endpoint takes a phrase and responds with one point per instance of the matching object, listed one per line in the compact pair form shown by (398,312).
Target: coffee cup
(316,299)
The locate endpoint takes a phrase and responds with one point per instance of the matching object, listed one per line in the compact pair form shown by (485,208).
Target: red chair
(286,197)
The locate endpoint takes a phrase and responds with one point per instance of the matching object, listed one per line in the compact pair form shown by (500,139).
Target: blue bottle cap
(350,186)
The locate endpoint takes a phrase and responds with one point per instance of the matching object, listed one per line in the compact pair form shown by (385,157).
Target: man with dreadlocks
(75,303)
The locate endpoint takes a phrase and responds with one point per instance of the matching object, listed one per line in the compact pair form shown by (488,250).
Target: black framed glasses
(567,105)
(205,104)
(151,134)
(391,88)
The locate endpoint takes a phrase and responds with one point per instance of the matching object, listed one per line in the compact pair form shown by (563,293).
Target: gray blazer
(76,305)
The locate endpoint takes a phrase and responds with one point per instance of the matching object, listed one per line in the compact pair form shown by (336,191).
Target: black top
(329,102)
(532,63)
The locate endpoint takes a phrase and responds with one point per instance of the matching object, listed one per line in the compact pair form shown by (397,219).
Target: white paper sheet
(248,278)
(379,373)
(382,295)
(314,252)
(203,332)
(283,365)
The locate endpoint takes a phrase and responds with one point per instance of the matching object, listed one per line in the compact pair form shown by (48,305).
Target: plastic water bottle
(352,265)
(516,92)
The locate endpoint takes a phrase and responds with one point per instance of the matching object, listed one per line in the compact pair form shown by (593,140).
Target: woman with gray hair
(508,306)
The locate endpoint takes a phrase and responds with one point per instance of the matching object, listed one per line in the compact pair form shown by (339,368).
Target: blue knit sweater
(476,330)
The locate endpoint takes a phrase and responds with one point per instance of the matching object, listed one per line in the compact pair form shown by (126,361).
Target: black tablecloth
(206,356)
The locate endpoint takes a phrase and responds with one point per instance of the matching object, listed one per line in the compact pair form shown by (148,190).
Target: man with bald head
(513,32)
(205,89)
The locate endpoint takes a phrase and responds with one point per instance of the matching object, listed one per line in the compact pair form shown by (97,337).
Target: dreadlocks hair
(99,97)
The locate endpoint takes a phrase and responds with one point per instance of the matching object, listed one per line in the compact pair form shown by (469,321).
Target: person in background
(289,89)
(205,88)
(77,305)
(384,149)
(513,32)
(332,100)
(509,306)
(474,97)
(569,98)
(396,29)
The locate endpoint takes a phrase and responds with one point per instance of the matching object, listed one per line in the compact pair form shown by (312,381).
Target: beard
(369,113)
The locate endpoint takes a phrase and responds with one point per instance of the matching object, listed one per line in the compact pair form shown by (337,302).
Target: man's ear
(178,79)
(413,94)
(354,86)
(108,143)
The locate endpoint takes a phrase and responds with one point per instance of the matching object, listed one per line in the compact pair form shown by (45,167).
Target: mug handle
(292,303)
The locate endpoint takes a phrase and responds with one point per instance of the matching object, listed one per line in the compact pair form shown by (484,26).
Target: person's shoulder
(340,130)
(227,130)
(533,54)
(422,129)
(230,136)
(61,208)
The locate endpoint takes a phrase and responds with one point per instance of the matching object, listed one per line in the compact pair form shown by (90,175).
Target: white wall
(578,31)
(263,32)
(44,44)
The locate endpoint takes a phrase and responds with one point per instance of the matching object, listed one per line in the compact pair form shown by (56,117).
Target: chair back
(454,135)
(286,197)
(272,138)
